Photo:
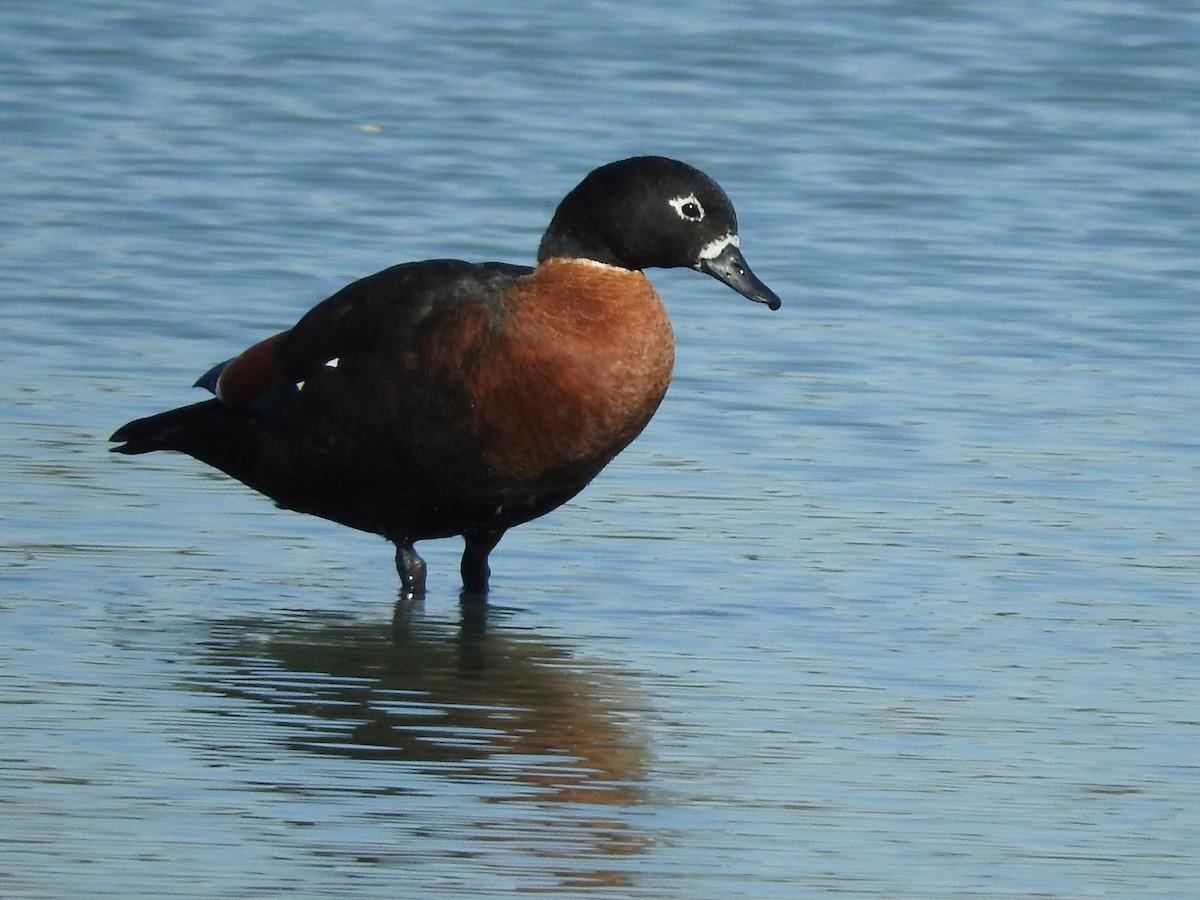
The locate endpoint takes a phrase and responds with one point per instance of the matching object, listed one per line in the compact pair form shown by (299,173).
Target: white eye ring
(688,208)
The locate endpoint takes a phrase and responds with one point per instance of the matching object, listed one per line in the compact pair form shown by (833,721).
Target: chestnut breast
(565,371)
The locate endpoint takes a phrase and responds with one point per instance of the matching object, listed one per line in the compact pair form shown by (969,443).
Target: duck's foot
(473,615)
(411,569)
(474,566)
(404,615)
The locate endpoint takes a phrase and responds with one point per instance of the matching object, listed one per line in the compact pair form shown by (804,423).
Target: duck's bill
(729,266)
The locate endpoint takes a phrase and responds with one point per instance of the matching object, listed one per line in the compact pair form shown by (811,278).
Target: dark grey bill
(729,266)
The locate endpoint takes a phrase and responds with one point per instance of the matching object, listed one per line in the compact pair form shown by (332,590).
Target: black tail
(173,430)
(223,438)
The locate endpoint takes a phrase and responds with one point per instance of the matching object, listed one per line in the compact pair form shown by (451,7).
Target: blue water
(896,597)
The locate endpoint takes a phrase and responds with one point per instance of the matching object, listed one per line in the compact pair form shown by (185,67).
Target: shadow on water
(466,704)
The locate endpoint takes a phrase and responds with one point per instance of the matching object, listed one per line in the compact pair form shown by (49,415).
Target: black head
(650,211)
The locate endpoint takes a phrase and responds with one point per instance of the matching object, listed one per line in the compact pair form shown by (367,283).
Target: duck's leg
(411,568)
(474,566)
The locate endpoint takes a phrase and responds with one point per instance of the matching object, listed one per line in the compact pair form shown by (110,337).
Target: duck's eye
(688,208)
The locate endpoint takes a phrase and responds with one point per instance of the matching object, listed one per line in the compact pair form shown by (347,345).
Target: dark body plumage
(443,397)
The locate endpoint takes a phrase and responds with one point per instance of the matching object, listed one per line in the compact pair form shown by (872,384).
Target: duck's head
(650,211)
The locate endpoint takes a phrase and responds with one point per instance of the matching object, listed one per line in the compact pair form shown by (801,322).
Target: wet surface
(895,597)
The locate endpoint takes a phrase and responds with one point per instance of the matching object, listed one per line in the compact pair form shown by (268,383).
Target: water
(896,596)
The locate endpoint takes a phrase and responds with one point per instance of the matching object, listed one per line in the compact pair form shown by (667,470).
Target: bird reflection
(466,701)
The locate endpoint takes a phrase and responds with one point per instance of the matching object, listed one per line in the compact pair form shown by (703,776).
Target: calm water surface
(896,597)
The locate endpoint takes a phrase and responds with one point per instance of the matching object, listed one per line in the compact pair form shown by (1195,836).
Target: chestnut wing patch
(384,310)
(243,379)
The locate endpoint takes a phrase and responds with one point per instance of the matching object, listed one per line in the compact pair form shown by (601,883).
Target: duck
(447,398)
